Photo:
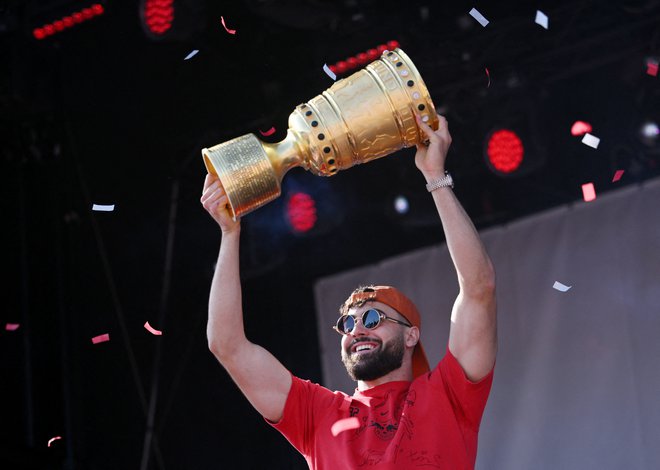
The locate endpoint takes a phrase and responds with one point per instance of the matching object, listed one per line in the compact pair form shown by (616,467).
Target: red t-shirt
(431,422)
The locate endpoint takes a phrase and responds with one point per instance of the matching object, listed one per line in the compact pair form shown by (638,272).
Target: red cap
(394,298)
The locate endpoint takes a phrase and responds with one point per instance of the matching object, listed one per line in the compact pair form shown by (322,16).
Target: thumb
(426,129)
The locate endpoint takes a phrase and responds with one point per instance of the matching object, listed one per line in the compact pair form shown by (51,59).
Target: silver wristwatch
(445,181)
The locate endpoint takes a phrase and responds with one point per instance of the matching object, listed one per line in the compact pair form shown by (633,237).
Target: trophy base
(245,171)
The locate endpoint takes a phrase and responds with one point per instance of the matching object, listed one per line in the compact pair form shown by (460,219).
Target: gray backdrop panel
(577,382)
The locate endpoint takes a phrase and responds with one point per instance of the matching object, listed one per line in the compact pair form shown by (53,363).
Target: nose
(359,329)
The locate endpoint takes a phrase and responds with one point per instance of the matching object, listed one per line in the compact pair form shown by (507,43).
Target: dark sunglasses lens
(346,324)
(371,319)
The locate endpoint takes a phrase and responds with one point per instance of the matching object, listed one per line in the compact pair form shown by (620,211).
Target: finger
(208,180)
(213,208)
(211,189)
(425,127)
(205,197)
(443,128)
(212,195)
(221,204)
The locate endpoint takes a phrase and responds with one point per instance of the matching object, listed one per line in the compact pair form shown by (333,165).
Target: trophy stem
(287,153)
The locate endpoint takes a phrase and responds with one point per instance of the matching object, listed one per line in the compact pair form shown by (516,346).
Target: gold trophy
(365,116)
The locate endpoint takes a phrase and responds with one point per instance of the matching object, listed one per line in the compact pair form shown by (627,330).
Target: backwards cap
(394,298)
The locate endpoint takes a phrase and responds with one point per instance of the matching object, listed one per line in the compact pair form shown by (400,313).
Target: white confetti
(474,13)
(192,54)
(102,208)
(590,140)
(541,19)
(560,287)
(329,72)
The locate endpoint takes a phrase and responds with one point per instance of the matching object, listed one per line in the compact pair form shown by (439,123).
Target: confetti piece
(488,75)
(192,54)
(580,128)
(268,132)
(12,326)
(329,72)
(617,176)
(588,192)
(652,68)
(474,13)
(53,439)
(152,330)
(590,140)
(102,208)
(560,287)
(541,19)
(344,425)
(101,338)
(230,31)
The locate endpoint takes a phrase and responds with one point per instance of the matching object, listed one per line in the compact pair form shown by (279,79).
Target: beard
(373,365)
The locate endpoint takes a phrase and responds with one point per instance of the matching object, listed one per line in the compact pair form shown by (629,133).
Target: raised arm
(473,331)
(261,377)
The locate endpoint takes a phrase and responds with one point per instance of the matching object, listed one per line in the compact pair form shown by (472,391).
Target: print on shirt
(385,423)
(419,458)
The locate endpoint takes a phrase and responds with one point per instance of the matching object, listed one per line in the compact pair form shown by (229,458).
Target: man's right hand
(214,199)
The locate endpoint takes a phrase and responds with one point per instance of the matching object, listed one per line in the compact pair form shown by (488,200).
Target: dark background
(103,114)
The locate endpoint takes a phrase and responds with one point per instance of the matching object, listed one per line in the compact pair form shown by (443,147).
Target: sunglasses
(370,319)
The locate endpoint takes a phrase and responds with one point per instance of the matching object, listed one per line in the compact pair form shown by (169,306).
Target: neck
(402,374)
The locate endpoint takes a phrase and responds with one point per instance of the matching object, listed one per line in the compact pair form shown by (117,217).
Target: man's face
(371,354)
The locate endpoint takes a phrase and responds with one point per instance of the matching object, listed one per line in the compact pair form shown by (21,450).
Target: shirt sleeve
(467,398)
(305,405)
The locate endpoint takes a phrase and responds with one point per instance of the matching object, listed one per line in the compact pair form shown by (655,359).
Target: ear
(412,337)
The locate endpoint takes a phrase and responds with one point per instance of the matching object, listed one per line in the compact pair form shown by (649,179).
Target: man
(402,414)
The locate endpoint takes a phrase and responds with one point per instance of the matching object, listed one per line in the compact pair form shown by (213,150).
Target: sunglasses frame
(381,317)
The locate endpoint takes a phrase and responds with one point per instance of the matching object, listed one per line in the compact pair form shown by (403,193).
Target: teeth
(363,347)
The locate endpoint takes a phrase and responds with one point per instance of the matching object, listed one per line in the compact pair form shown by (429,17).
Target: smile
(363,347)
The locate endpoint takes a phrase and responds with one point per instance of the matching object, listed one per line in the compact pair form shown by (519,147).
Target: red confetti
(617,176)
(652,68)
(488,75)
(580,128)
(268,132)
(101,338)
(152,330)
(230,31)
(12,326)
(588,192)
(53,439)
(344,425)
